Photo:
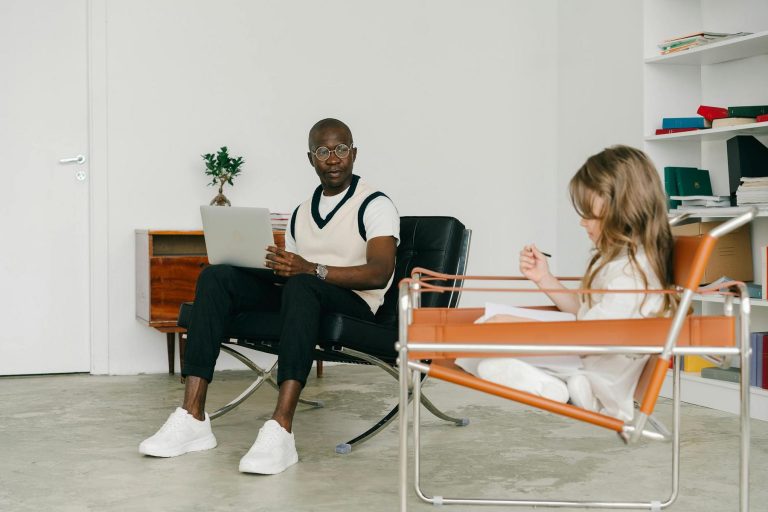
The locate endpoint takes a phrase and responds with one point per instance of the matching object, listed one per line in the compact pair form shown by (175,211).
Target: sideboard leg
(171,341)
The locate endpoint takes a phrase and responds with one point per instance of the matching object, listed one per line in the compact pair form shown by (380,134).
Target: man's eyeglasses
(323,153)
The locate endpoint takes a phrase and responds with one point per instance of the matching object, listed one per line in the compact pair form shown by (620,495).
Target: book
(761,119)
(756,358)
(502,313)
(732,121)
(724,374)
(670,185)
(684,122)
(693,40)
(748,111)
(695,364)
(747,158)
(693,182)
(706,201)
(764,383)
(664,131)
(712,113)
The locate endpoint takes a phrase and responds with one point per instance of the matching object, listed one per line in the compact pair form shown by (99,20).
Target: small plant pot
(220,200)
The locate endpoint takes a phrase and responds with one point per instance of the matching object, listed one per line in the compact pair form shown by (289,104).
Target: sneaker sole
(266,470)
(198,445)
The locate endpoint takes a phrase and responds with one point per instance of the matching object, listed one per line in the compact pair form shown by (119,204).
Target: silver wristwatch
(321,271)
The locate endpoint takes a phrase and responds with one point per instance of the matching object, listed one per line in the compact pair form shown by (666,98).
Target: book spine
(684,122)
(759,360)
(670,185)
(752,359)
(748,111)
(664,131)
(764,383)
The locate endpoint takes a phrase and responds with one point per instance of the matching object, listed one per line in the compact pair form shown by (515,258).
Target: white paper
(493,309)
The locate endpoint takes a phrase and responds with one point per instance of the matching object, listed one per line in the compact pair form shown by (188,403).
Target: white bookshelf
(714,213)
(714,134)
(726,73)
(717,394)
(760,303)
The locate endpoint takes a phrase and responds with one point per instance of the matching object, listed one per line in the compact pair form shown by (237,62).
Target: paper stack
(753,191)
(686,42)
(279,220)
(702,201)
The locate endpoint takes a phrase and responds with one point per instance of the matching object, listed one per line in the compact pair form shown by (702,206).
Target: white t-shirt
(380,218)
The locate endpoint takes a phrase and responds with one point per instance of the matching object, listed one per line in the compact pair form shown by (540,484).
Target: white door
(44,306)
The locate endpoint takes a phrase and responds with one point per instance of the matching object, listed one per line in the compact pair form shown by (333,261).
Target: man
(339,256)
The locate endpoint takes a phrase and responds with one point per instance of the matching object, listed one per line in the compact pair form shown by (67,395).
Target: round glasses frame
(323,153)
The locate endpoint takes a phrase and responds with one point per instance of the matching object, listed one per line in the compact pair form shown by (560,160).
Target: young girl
(619,197)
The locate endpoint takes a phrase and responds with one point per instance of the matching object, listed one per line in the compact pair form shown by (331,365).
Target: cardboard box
(732,256)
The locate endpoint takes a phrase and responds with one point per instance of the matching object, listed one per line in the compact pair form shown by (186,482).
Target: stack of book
(714,117)
(702,201)
(753,191)
(689,187)
(279,221)
(689,41)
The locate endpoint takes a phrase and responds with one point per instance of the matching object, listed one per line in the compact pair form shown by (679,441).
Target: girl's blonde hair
(633,216)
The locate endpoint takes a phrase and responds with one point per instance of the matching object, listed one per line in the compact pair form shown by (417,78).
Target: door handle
(79,159)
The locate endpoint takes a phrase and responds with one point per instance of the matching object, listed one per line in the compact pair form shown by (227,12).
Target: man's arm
(373,275)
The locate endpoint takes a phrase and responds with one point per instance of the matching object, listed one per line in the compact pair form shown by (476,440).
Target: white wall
(600,101)
(452,105)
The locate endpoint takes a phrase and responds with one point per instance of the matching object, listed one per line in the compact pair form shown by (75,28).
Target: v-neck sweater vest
(339,239)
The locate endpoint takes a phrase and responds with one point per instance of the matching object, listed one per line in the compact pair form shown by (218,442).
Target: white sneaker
(181,433)
(273,452)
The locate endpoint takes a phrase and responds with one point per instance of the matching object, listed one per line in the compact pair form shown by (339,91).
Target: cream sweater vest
(338,240)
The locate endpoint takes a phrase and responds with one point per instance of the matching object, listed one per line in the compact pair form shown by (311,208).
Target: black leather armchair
(437,243)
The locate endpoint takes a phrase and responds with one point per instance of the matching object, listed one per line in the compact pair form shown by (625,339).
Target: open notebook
(504,313)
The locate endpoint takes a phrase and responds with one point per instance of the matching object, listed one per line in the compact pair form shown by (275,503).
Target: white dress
(609,381)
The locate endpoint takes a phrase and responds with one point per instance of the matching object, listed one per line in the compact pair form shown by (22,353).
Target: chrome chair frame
(266,375)
(411,376)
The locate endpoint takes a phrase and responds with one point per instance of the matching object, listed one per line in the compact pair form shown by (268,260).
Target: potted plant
(222,168)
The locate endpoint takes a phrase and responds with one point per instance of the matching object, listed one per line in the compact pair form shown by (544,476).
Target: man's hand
(287,264)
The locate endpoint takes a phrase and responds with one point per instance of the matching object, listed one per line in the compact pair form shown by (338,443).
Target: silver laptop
(237,235)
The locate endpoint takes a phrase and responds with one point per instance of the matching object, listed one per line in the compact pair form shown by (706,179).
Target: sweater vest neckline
(321,223)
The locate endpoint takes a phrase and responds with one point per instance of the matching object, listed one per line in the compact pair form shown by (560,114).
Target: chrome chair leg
(263,376)
(426,402)
(390,370)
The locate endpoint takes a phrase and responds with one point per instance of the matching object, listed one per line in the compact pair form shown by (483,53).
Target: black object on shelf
(747,158)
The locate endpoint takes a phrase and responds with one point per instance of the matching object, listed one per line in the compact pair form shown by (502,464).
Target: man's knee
(301,284)
(214,275)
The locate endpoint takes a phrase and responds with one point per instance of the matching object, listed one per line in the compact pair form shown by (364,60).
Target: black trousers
(223,291)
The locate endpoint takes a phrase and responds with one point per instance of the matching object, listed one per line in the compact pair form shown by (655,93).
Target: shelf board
(716,213)
(717,394)
(723,133)
(715,53)
(718,298)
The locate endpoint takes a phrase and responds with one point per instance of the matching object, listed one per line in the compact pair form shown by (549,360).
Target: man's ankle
(286,423)
(197,414)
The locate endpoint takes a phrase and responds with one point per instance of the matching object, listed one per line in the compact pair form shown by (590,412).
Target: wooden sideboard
(167,266)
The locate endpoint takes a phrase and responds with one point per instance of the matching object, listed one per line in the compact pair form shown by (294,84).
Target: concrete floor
(69,443)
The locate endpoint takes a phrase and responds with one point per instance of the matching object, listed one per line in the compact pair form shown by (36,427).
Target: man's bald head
(324,125)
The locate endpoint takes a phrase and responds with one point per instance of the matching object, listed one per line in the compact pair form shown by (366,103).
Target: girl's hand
(533,264)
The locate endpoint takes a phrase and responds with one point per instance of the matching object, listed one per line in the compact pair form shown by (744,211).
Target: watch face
(321,271)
